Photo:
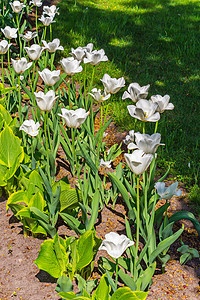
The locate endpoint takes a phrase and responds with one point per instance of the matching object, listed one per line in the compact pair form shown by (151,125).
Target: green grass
(147,41)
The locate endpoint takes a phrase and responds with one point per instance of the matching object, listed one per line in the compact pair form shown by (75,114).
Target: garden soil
(21,279)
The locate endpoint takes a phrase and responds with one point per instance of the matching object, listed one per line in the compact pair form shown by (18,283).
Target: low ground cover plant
(38,119)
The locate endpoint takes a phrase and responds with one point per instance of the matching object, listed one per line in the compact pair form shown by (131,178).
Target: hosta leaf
(10,148)
(69,198)
(125,293)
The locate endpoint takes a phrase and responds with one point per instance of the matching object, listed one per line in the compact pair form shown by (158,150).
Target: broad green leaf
(5,115)
(17,197)
(85,249)
(103,290)
(69,198)
(125,293)
(37,201)
(10,148)
(48,260)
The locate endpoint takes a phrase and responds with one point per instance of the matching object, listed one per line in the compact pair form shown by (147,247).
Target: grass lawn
(154,42)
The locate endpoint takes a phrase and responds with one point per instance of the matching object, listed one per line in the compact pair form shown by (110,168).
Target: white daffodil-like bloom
(53,46)
(136,92)
(46,20)
(163,103)
(144,110)
(112,85)
(30,127)
(71,66)
(4,46)
(17,6)
(138,162)
(21,65)
(37,3)
(96,94)
(95,57)
(78,53)
(10,33)
(50,77)
(105,164)
(115,244)
(130,137)
(145,142)
(34,52)
(45,101)
(167,192)
(28,36)
(74,118)
(51,11)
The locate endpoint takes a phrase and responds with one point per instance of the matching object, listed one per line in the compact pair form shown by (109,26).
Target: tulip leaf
(185,215)
(87,157)
(165,244)
(103,290)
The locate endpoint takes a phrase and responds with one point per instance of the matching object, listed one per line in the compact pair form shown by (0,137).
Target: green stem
(50,28)
(156,127)
(49,135)
(143,127)
(36,24)
(116,273)
(45,32)
(84,85)
(69,96)
(20,43)
(138,226)
(52,60)
(76,160)
(165,219)
(19,110)
(2,75)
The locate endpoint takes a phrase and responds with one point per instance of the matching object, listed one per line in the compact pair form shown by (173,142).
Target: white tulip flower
(51,11)
(71,66)
(145,142)
(34,52)
(53,46)
(74,118)
(4,46)
(17,6)
(138,162)
(144,110)
(45,101)
(105,164)
(88,48)
(136,92)
(163,102)
(46,20)
(115,244)
(78,53)
(50,77)
(96,94)
(130,137)
(167,192)
(95,57)
(28,36)
(37,3)
(30,127)
(10,33)
(21,65)
(112,85)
